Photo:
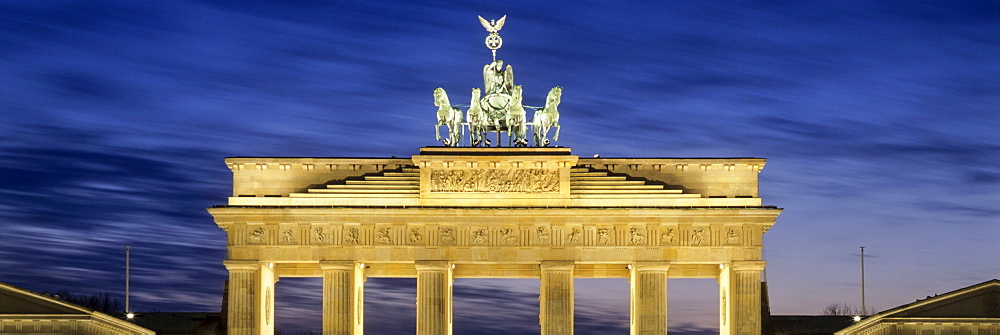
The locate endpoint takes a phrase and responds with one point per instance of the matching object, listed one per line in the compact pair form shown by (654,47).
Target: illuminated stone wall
(494,213)
(26,312)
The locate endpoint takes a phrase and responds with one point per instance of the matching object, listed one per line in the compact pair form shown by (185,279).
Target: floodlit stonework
(494,213)
(26,312)
(973,310)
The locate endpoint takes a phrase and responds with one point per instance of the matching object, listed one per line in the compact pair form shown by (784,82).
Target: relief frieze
(416,237)
(508,237)
(384,236)
(667,238)
(733,237)
(524,235)
(636,237)
(350,236)
(698,236)
(320,236)
(447,236)
(495,180)
(479,237)
(257,236)
(288,236)
(543,235)
(573,237)
(604,237)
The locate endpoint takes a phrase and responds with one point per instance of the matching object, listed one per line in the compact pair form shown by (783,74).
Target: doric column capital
(557,266)
(748,265)
(434,280)
(336,265)
(556,298)
(649,297)
(432,265)
(241,265)
(343,287)
(651,266)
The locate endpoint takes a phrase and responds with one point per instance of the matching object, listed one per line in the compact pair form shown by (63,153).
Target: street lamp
(128,312)
(864,311)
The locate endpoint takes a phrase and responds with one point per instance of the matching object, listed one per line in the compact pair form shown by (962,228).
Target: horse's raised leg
(456,136)
(524,135)
(534,132)
(513,135)
(451,136)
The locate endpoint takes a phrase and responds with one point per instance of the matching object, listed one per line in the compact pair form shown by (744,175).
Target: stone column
(241,296)
(251,297)
(742,290)
(264,288)
(434,279)
(556,298)
(343,297)
(649,298)
(725,300)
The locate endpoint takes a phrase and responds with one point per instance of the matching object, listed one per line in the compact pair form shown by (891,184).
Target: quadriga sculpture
(498,83)
(548,117)
(447,116)
(478,123)
(515,119)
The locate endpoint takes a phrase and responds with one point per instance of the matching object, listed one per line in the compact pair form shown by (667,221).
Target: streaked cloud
(878,119)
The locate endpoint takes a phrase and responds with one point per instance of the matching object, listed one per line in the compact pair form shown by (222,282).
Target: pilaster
(556,297)
(343,297)
(251,297)
(725,299)
(743,286)
(649,298)
(434,283)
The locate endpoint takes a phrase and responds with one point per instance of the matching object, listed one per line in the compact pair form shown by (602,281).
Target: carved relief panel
(543,235)
(288,234)
(447,235)
(256,235)
(495,180)
(668,236)
(351,235)
(320,234)
(698,236)
(572,236)
(480,236)
(734,236)
(415,236)
(384,235)
(620,235)
(637,236)
(509,236)
(604,236)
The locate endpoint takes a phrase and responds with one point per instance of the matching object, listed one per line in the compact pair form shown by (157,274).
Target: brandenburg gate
(494,212)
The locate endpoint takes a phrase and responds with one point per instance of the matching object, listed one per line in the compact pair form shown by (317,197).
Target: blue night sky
(879,120)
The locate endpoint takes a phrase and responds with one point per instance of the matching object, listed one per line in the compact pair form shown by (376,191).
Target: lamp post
(864,311)
(128,312)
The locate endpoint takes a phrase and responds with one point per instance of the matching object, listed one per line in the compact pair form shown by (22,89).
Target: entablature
(508,234)
(503,270)
(504,177)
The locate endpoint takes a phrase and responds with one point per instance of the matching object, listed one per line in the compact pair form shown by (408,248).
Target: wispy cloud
(878,119)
